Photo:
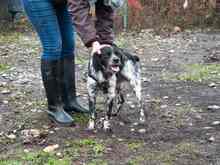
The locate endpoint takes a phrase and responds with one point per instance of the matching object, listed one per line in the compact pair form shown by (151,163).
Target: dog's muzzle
(116,63)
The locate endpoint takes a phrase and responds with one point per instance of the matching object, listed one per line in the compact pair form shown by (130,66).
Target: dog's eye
(106,55)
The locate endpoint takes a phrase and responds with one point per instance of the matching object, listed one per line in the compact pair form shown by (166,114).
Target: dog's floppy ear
(132,57)
(120,53)
(124,55)
(96,62)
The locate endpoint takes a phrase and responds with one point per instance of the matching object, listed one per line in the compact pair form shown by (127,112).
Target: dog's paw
(107,126)
(99,123)
(91,124)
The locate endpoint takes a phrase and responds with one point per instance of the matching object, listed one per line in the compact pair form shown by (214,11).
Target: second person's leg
(68,81)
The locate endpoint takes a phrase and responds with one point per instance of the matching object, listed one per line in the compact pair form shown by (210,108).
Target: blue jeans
(54,28)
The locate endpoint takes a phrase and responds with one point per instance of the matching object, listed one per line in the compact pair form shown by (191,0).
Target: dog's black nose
(116,60)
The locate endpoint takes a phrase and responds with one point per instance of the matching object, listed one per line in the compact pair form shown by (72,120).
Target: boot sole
(60,124)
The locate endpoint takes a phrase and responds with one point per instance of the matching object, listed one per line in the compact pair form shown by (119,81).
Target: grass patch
(84,148)
(134,145)
(36,158)
(81,60)
(136,161)
(29,42)
(196,73)
(10,37)
(96,147)
(169,157)
(40,158)
(121,41)
(181,113)
(4,67)
(39,104)
(81,118)
(10,162)
(199,72)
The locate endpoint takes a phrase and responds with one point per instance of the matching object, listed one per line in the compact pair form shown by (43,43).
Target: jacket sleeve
(83,21)
(104,23)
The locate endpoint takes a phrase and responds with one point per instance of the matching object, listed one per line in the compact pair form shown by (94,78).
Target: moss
(10,162)
(9,37)
(81,61)
(121,41)
(181,113)
(195,73)
(136,161)
(4,67)
(81,119)
(36,158)
(40,158)
(168,157)
(84,147)
(199,72)
(134,145)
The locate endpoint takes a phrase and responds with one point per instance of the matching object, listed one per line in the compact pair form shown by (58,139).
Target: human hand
(96,47)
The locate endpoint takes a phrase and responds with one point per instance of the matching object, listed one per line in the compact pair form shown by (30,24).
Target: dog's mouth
(115,68)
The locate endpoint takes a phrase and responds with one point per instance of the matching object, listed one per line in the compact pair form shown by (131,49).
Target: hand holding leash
(96,47)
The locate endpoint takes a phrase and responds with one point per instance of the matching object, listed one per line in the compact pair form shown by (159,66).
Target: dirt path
(181,89)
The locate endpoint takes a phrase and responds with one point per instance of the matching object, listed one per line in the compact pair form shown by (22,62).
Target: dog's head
(107,61)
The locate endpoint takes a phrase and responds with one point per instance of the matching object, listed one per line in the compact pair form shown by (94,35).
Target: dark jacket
(89,28)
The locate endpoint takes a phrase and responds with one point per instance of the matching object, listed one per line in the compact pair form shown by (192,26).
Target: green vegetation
(84,147)
(199,72)
(4,67)
(96,147)
(81,119)
(81,61)
(168,157)
(134,145)
(37,158)
(45,158)
(136,160)
(196,73)
(121,41)
(180,115)
(9,37)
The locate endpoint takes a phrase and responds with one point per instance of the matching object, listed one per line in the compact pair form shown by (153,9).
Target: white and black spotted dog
(106,72)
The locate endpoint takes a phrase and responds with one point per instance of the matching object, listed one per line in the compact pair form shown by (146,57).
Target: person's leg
(42,15)
(68,44)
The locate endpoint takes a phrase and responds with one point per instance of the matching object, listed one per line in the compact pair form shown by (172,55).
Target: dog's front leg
(136,83)
(92,91)
(109,104)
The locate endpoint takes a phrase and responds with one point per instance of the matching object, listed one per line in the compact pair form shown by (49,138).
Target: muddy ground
(181,93)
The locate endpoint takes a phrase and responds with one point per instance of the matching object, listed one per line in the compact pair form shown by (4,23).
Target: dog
(106,72)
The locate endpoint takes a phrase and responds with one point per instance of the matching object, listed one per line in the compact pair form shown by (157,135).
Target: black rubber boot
(68,86)
(50,71)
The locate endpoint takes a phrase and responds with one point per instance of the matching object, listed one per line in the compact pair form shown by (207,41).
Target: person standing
(52,22)
(94,31)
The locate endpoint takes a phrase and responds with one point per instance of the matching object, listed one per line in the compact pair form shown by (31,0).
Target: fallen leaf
(51,148)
